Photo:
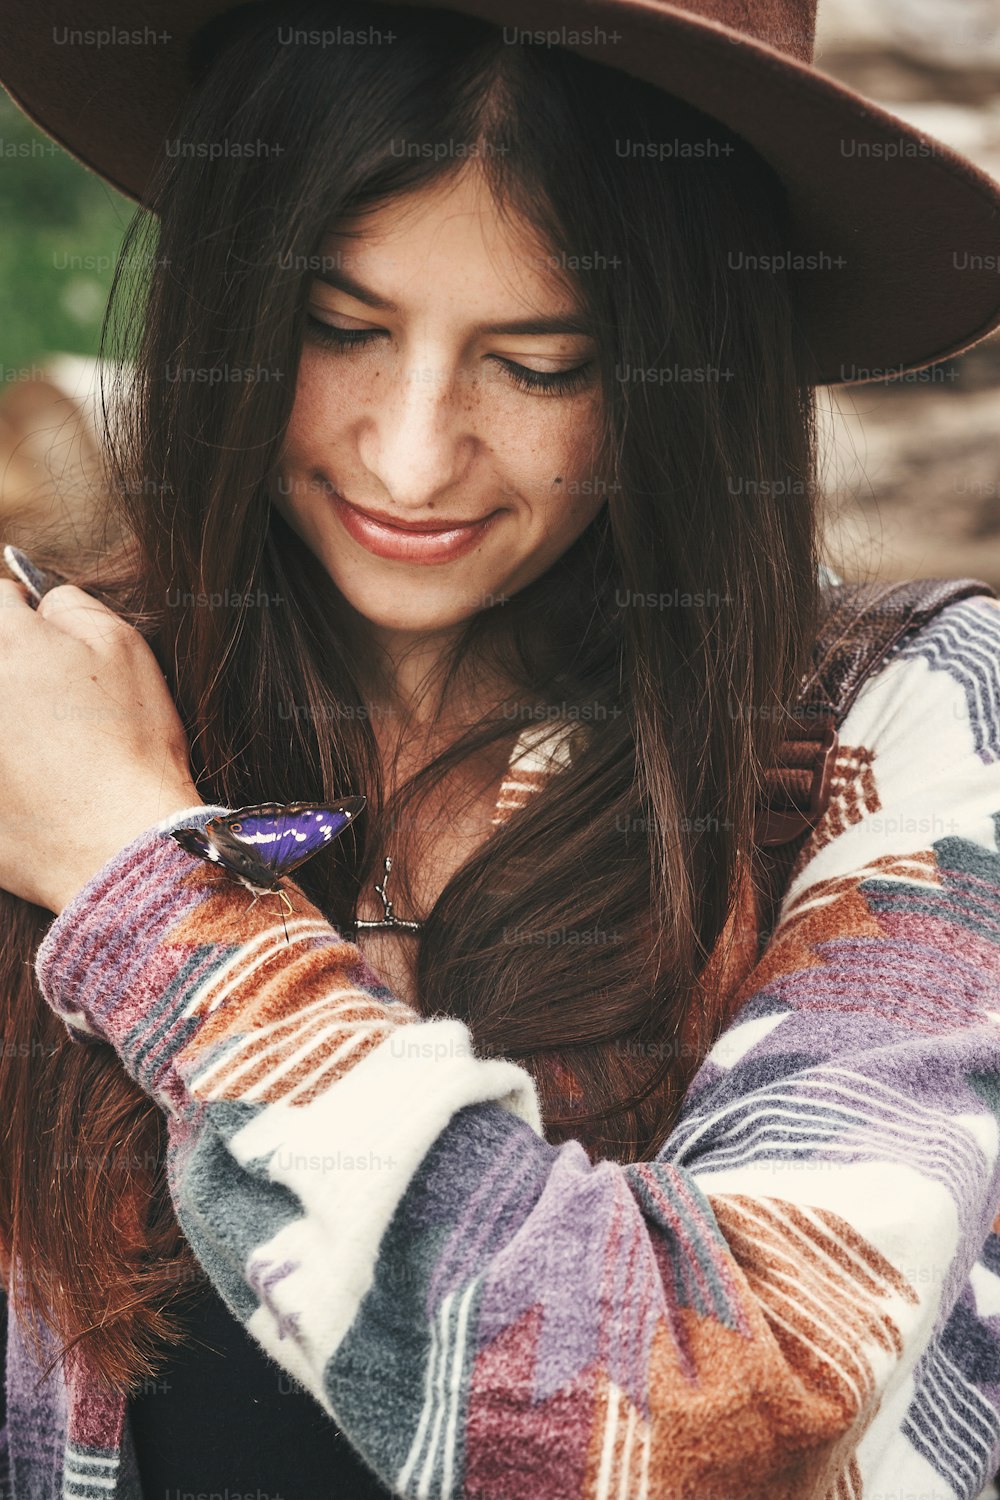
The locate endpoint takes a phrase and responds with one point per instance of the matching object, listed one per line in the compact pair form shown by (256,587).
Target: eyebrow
(564,323)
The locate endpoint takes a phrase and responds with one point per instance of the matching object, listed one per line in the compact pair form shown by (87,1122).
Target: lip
(380,520)
(410,543)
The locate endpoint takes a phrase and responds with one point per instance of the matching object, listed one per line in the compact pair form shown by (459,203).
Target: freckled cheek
(322,406)
(531,440)
(552,461)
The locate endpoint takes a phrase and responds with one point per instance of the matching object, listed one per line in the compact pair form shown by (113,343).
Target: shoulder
(916,776)
(963,634)
(941,683)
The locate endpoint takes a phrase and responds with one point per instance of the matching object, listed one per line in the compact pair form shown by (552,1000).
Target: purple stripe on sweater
(37,1414)
(918,985)
(556,1260)
(462,1252)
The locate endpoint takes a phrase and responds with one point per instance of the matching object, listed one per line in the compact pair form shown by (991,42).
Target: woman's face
(409,405)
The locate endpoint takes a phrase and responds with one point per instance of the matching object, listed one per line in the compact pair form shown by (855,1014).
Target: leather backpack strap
(859,625)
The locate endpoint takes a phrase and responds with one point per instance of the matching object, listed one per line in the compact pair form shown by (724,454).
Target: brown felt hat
(894,245)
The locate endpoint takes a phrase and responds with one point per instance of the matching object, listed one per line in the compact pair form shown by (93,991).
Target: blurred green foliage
(61,227)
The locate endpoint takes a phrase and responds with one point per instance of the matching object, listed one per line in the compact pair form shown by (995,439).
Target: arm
(781,1305)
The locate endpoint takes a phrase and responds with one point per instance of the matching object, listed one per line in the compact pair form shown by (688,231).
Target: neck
(403,680)
(409,667)
(400,677)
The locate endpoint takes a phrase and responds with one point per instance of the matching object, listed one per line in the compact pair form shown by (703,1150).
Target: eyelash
(555,382)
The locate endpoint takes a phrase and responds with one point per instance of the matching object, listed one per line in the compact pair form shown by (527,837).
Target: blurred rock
(51,480)
(913,483)
(921,48)
(912,467)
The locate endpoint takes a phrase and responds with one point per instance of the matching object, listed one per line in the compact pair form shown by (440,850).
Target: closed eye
(554,382)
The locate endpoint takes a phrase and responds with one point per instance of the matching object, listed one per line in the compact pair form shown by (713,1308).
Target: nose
(416,437)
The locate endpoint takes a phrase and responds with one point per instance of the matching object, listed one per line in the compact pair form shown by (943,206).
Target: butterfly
(257,845)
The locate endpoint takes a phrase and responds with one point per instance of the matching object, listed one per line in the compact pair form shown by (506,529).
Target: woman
(666,1221)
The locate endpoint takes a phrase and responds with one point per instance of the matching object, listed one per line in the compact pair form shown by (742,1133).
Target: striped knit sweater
(799,1299)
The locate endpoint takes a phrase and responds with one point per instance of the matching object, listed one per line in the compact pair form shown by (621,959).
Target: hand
(92,749)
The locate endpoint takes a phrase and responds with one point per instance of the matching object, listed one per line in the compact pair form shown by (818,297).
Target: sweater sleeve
(799,1299)
(4,1444)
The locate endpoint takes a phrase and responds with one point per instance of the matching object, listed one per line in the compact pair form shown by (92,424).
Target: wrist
(137,816)
(108,925)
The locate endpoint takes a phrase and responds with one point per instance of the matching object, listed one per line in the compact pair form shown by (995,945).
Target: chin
(408,616)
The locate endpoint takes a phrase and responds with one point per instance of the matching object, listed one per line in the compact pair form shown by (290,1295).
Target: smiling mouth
(394,523)
(419,527)
(411,544)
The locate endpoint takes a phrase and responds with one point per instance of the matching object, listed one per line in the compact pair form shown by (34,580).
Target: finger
(15,596)
(77,613)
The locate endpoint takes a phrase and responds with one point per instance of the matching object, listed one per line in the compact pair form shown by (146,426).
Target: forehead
(450,239)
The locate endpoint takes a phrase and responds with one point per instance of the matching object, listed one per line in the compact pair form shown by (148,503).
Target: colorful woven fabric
(798,1300)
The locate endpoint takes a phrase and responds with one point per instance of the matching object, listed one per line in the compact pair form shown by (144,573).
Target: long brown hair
(675,627)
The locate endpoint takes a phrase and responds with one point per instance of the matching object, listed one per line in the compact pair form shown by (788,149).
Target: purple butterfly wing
(284,837)
(260,844)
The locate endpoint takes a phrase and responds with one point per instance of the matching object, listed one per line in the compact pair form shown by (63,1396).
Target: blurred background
(910,467)
(61,228)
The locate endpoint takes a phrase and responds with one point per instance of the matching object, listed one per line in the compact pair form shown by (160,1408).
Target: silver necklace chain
(388,922)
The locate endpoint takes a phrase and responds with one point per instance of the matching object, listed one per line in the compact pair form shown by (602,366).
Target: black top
(227,1419)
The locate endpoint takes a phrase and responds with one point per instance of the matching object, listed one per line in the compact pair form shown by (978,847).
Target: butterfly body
(257,845)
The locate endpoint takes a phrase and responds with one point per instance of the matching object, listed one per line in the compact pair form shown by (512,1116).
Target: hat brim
(894,249)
